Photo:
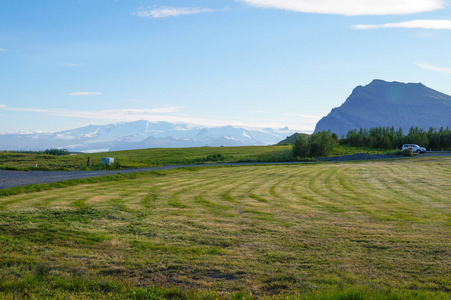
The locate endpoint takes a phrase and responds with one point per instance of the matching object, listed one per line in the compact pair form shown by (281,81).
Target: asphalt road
(10,179)
(19,178)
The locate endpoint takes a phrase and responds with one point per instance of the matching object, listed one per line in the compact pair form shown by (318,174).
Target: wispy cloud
(422,24)
(85,93)
(351,7)
(167,11)
(102,114)
(1,49)
(430,67)
(166,114)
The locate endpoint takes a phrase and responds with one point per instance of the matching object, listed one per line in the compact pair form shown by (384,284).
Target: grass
(349,150)
(144,158)
(159,157)
(361,230)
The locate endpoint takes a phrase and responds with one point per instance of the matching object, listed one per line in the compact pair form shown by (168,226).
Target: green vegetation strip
(362,230)
(143,158)
(24,161)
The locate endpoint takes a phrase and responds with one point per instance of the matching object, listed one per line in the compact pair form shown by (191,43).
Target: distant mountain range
(141,134)
(377,104)
(381,104)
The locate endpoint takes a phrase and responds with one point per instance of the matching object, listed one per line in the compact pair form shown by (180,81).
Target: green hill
(291,139)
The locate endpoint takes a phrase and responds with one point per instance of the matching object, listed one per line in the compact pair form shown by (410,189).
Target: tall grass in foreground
(366,230)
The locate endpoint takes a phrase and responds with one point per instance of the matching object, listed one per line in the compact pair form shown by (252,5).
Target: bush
(406,152)
(321,144)
(56,152)
(317,145)
(300,146)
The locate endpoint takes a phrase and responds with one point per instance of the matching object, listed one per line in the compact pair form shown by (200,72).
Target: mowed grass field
(362,230)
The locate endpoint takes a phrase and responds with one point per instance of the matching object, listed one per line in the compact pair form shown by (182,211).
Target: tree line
(322,143)
(391,138)
(56,152)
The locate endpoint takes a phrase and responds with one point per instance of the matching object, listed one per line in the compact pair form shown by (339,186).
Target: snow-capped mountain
(141,134)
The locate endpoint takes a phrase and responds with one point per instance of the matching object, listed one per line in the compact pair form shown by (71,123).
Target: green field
(363,230)
(158,157)
(144,158)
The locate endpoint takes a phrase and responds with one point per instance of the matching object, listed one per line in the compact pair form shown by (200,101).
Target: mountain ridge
(382,103)
(141,134)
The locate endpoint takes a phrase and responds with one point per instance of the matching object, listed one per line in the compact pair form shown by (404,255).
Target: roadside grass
(361,230)
(340,150)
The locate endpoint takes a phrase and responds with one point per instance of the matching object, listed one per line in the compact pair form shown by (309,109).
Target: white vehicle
(415,148)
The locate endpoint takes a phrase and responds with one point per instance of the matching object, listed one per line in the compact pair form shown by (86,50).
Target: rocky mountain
(382,103)
(139,135)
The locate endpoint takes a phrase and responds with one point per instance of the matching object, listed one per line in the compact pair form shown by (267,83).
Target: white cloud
(351,7)
(162,110)
(165,114)
(123,115)
(429,67)
(167,11)
(422,24)
(1,49)
(102,114)
(84,94)
(29,109)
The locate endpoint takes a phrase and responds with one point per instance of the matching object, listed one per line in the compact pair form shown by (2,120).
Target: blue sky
(252,63)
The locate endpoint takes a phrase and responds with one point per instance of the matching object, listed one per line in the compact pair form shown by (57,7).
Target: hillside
(382,103)
(289,140)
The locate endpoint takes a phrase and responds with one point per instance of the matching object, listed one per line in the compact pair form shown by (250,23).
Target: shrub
(321,144)
(406,152)
(300,146)
(56,152)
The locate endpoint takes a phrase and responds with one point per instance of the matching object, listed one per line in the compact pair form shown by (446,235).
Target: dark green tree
(321,144)
(300,146)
